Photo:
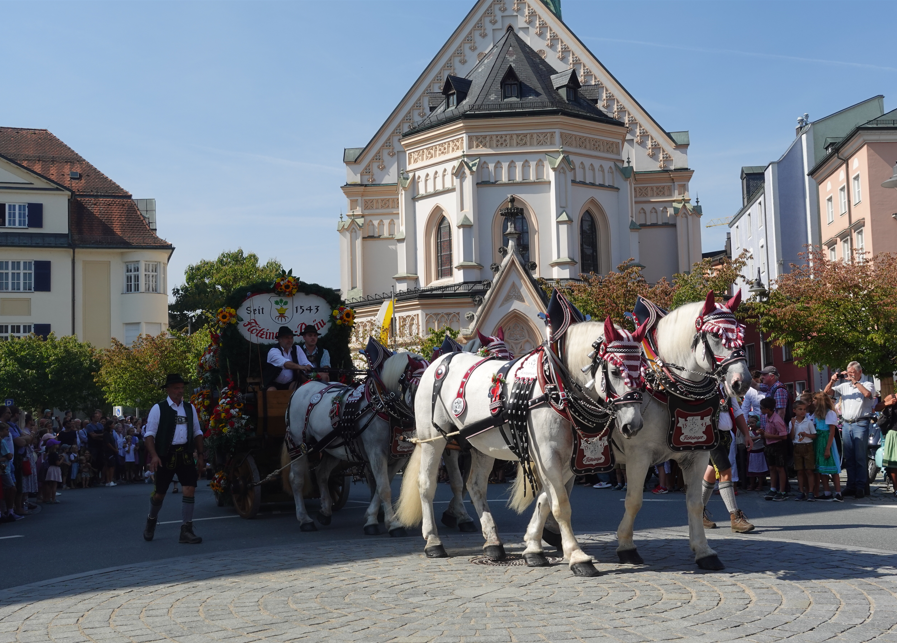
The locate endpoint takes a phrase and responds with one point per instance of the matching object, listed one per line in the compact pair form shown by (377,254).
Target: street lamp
(891,182)
(758,290)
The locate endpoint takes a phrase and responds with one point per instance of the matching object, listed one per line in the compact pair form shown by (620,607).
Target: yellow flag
(387,320)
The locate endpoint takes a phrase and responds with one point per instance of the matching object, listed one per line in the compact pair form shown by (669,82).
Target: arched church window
(372,229)
(591,173)
(582,173)
(512,171)
(540,170)
(485,175)
(521,225)
(653,216)
(499,172)
(610,174)
(392,228)
(588,244)
(642,216)
(380,229)
(427,183)
(443,249)
(527,172)
(601,174)
(444,179)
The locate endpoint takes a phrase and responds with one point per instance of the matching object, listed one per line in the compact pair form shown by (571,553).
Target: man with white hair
(856,393)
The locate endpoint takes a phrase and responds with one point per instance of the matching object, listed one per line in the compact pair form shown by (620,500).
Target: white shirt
(180,430)
(725,420)
(854,404)
(751,402)
(808,426)
(277,356)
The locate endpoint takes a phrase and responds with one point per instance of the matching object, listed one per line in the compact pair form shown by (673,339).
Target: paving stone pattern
(383,589)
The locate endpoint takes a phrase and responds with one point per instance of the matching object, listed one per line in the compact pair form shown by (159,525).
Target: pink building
(856,213)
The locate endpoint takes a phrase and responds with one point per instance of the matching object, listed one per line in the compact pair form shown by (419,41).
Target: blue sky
(234,115)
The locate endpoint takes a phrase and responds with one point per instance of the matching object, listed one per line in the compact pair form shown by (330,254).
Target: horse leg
(693,469)
(551,532)
(477,483)
(322,475)
(551,470)
(637,464)
(379,463)
(431,453)
(298,470)
(456,515)
(537,530)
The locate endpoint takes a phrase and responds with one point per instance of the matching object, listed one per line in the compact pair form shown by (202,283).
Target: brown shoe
(740,522)
(708,524)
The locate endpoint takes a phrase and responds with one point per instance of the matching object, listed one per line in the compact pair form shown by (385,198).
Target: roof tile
(113,223)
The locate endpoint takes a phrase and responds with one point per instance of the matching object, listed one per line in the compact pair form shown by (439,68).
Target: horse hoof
(437,551)
(398,532)
(584,569)
(552,538)
(468,527)
(449,520)
(307,526)
(710,563)
(495,552)
(381,516)
(324,520)
(371,530)
(630,557)
(536,560)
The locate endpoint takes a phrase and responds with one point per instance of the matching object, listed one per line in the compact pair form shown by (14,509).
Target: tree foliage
(832,312)
(433,340)
(133,375)
(56,372)
(209,283)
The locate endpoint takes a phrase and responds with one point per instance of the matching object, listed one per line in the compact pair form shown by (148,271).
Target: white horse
(372,446)
(550,436)
(682,350)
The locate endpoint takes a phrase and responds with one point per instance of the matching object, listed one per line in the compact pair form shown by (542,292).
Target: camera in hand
(842,375)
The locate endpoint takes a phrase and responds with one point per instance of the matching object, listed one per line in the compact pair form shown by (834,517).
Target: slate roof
(538,90)
(885,121)
(102,213)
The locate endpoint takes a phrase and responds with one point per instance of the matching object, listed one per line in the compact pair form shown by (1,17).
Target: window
(786,353)
(800,387)
(571,94)
(17,276)
(860,244)
(452,100)
(151,282)
(510,90)
(443,249)
(14,331)
(750,351)
(842,197)
(132,332)
(750,231)
(830,209)
(845,249)
(857,192)
(522,227)
(132,277)
(767,353)
(760,214)
(588,245)
(737,238)
(832,253)
(16,215)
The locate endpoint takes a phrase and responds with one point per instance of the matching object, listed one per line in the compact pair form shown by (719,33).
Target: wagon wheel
(339,491)
(245,491)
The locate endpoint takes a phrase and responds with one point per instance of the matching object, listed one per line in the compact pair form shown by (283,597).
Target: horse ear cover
(733,303)
(500,333)
(641,331)
(709,304)
(610,332)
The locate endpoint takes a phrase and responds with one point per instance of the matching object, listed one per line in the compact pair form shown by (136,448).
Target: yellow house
(78,255)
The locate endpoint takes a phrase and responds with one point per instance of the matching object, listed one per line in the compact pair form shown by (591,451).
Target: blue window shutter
(42,330)
(41,276)
(35,215)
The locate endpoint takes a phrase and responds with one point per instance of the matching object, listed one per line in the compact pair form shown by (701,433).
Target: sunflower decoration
(226,316)
(202,401)
(219,482)
(227,418)
(286,284)
(343,316)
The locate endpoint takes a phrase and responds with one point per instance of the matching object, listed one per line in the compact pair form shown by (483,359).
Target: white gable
(650,147)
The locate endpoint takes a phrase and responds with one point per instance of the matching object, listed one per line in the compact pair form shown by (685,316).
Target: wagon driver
(285,362)
(173,433)
(319,357)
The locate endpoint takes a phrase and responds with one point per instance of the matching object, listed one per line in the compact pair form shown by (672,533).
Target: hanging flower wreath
(344,316)
(225,316)
(286,284)
(219,482)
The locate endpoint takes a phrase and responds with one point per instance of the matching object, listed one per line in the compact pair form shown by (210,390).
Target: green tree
(133,375)
(56,372)
(433,340)
(833,312)
(704,276)
(208,284)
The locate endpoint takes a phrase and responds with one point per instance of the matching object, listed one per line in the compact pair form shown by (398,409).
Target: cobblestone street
(385,590)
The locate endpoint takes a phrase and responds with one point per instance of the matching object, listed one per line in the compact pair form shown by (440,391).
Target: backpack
(789,405)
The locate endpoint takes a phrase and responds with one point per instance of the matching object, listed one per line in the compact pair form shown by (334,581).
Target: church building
(513,104)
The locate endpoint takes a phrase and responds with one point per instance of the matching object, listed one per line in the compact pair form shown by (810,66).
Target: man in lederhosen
(285,363)
(173,433)
(319,357)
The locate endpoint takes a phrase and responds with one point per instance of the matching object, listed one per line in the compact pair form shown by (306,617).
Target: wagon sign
(262,315)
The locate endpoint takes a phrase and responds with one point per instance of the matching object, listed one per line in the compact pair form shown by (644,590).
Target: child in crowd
(130,449)
(828,462)
(620,470)
(7,478)
(775,434)
(85,471)
(663,473)
(54,473)
(74,461)
(757,458)
(803,433)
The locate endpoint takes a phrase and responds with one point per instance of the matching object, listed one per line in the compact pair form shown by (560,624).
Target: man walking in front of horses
(173,432)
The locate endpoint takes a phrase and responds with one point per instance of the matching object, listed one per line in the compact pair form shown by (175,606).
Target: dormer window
(571,94)
(510,86)
(452,100)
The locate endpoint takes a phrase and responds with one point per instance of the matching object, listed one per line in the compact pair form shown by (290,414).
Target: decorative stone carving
(502,141)
(590,143)
(381,204)
(443,320)
(436,151)
(519,339)
(513,294)
(653,191)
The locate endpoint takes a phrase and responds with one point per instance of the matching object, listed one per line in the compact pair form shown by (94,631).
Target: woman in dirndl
(828,462)
(888,425)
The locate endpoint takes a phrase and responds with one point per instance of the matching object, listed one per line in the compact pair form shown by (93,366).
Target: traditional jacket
(168,419)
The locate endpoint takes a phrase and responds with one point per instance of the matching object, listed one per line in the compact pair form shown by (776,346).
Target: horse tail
(522,495)
(409,510)
(285,473)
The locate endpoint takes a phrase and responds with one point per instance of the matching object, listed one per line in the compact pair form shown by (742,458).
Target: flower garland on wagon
(286,284)
(228,425)
(226,315)
(343,316)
